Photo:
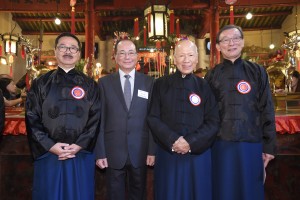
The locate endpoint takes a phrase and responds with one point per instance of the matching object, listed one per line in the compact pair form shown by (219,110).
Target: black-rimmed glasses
(64,49)
(228,40)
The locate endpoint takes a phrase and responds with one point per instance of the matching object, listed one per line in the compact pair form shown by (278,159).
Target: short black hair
(227,27)
(295,74)
(67,34)
(116,45)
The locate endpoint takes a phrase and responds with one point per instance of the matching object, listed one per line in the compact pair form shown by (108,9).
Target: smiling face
(67,52)
(186,56)
(230,44)
(126,56)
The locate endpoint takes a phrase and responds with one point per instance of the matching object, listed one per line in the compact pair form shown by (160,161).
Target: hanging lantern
(72,4)
(10,43)
(156,16)
(230,3)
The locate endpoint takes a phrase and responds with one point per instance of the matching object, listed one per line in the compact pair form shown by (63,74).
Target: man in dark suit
(2,114)
(125,145)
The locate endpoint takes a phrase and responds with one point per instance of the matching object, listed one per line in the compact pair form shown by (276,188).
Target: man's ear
(218,47)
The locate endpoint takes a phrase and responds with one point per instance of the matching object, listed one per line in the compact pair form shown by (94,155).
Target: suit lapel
(118,88)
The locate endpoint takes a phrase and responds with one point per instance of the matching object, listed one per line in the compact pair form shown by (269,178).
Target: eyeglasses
(122,54)
(64,49)
(234,40)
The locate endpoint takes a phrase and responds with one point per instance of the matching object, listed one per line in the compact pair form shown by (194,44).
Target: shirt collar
(131,74)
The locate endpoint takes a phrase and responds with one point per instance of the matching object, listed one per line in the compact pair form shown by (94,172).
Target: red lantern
(136,27)
(177,28)
(145,36)
(231,2)
(172,21)
(72,3)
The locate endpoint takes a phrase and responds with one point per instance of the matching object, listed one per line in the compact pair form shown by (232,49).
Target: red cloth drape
(287,124)
(15,126)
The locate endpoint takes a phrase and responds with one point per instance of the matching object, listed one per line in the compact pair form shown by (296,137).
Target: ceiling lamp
(10,43)
(249,16)
(57,21)
(156,17)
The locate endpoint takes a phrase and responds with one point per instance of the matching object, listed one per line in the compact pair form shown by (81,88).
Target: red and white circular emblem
(243,87)
(77,92)
(195,99)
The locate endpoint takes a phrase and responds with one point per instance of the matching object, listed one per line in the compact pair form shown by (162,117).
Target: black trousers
(126,183)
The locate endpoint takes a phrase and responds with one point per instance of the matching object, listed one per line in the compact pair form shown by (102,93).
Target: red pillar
(89,34)
(214,28)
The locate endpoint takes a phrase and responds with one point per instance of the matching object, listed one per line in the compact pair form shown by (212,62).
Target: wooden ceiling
(118,15)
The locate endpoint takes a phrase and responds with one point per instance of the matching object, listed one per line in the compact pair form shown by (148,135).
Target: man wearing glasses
(62,122)
(125,146)
(246,141)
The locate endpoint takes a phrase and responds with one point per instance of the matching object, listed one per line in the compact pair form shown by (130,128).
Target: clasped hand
(181,146)
(64,150)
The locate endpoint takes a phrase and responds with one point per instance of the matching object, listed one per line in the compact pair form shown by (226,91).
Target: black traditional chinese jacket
(245,103)
(62,107)
(183,106)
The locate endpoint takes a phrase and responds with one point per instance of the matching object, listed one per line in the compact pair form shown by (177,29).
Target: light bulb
(272,46)
(57,21)
(249,15)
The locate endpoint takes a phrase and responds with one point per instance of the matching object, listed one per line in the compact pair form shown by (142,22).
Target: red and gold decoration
(231,2)
(72,4)
(136,27)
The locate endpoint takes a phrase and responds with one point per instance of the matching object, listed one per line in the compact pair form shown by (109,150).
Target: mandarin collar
(72,71)
(179,75)
(228,62)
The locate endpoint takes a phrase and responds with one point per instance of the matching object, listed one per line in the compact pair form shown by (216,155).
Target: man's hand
(181,146)
(267,158)
(64,150)
(150,160)
(102,163)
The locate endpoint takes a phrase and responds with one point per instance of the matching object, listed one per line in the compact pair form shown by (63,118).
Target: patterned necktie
(127,91)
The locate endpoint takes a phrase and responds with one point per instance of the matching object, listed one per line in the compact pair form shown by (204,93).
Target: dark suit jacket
(124,132)
(2,114)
